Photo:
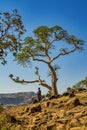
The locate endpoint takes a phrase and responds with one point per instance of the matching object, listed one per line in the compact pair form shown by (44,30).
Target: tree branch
(42,82)
(40,55)
(40,60)
(63,53)
(23,81)
(46,85)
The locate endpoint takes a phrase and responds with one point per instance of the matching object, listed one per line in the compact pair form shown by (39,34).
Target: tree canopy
(11,30)
(45,47)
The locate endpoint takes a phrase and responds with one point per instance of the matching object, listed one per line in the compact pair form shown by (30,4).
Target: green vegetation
(4,128)
(11,30)
(5,120)
(81,85)
(1,108)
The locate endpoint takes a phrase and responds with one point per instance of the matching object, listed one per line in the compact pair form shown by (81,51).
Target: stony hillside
(63,113)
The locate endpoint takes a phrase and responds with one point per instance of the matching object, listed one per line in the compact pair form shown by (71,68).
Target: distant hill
(16,98)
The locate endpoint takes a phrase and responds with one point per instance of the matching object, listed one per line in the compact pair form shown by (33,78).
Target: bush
(1,108)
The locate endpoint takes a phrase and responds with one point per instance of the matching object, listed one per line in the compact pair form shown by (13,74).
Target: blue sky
(69,14)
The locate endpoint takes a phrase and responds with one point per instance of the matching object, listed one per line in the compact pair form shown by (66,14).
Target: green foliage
(81,85)
(4,128)
(11,30)
(44,41)
(4,122)
(6,119)
(1,108)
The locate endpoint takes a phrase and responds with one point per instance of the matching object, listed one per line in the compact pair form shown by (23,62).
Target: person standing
(39,94)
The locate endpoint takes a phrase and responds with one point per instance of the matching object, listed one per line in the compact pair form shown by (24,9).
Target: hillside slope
(63,113)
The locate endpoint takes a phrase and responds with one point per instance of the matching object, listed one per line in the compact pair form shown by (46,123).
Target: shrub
(1,108)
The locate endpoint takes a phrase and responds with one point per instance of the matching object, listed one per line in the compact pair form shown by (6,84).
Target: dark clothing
(39,94)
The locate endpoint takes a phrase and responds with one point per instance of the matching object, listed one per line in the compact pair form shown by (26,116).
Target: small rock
(72,94)
(62,121)
(26,109)
(51,127)
(35,109)
(13,119)
(47,104)
(76,102)
(60,127)
(50,104)
(79,128)
(34,127)
(65,94)
(72,103)
(75,123)
(60,105)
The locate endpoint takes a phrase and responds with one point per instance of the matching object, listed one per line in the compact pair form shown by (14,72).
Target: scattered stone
(79,128)
(13,119)
(26,109)
(43,123)
(33,127)
(66,94)
(60,105)
(47,104)
(35,109)
(54,97)
(36,120)
(76,102)
(50,104)
(72,94)
(51,127)
(75,123)
(81,89)
(60,127)
(62,121)
(72,103)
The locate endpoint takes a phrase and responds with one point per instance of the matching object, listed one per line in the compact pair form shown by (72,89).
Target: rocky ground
(63,113)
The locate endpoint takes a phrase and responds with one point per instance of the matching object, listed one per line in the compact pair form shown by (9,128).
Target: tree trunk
(54,81)
(54,89)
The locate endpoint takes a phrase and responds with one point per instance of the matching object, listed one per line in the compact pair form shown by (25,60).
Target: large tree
(11,30)
(47,45)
